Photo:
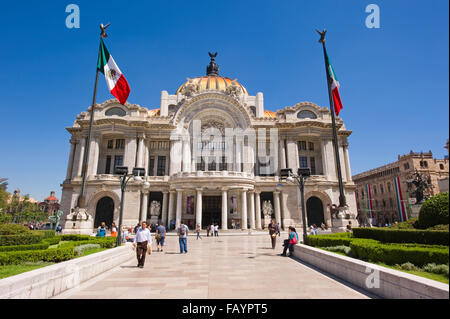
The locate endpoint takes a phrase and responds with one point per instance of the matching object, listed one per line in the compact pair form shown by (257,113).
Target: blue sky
(394,80)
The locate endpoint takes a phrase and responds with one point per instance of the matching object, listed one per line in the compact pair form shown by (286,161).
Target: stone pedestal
(415,209)
(79,222)
(344,218)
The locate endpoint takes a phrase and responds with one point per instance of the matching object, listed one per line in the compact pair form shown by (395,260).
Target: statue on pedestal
(422,187)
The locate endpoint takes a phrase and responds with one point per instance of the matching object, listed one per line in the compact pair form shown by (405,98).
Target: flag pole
(81,203)
(342,200)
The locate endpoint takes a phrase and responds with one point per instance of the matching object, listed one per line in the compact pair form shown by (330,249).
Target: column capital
(244,190)
(277,192)
(145,191)
(165,192)
(199,189)
(225,189)
(141,135)
(257,192)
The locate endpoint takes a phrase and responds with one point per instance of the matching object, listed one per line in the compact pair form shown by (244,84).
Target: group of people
(103,229)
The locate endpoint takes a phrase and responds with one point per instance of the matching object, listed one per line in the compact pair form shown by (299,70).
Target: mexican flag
(115,80)
(334,88)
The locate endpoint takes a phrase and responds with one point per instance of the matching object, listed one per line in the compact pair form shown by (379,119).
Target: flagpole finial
(103,30)
(322,35)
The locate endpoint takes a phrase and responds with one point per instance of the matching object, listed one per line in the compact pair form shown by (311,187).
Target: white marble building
(230,189)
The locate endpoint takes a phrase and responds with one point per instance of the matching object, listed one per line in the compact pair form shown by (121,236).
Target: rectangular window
(108,165)
(311,146)
(200,164)
(302,146)
(212,164)
(110,144)
(120,144)
(161,171)
(303,162)
(223,164)
(312,162)
(118,161)
(151,166)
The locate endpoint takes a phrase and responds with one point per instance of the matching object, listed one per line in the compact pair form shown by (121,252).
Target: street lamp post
(300,177)
(124,179)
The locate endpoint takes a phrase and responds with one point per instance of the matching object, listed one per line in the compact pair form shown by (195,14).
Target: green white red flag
(334,88)
(117,84)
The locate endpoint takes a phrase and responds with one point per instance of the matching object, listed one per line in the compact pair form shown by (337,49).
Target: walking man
(198,231)
(160,237)
(182,232)
(142,239)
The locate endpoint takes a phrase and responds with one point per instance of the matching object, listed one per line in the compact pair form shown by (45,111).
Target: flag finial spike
(103,30)
(322,35)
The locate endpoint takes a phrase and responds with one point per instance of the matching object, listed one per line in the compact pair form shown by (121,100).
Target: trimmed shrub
(44,233)
(387,235)
(341,249)
(408,266)
(40,246)
(79,250)
(338,239)
(436,269)
(13,229)
(409,224)
(75,237)
(439,227)
(434,211)
(398,254)
(14,240)
(52,241)
(49,255)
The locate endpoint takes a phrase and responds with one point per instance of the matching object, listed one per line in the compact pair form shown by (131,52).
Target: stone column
(343,166)
(198,208)
(171,210)
(93,156)
(258,209)
(130,153)
(324,158)
(164,209)
(70,165)
(175,157)
(186,156)
(276,199)
(140,153)
(224,209)
(244,209)
(282,146)
(144,206)
(252,209)
(179,207)
(347,163)
(80,153)
(292,155)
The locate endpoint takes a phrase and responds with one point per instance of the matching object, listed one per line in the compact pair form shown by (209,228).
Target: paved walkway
(215,267)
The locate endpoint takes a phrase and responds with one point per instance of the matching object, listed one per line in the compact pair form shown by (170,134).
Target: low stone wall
(52,280)
(377,280)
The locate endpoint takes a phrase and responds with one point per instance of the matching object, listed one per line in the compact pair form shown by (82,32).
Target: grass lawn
(12,270)
(432,276)
(91,251)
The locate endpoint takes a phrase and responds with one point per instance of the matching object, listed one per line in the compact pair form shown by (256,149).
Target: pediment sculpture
(191,88)
(234,90)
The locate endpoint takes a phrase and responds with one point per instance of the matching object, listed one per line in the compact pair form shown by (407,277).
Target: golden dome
(211,82)
(270,114)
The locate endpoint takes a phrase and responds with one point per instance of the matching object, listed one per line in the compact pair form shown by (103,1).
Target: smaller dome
(270,114)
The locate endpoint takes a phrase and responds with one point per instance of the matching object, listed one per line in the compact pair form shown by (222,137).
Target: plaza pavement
(237,267)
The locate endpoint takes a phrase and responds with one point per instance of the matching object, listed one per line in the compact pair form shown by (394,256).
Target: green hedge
(14,240)
(398,254)
(76,237)
(386,235)
(337,239)
(49,255)
(13,229)
(103,242)
(40,246)
(44,233)
(52,241)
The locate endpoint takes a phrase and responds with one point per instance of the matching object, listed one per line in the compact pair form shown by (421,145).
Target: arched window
(253,109)
(115,111)
(306,115)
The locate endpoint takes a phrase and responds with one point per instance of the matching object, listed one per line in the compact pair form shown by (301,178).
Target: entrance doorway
(104,212)
(212,210)
(314,210)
